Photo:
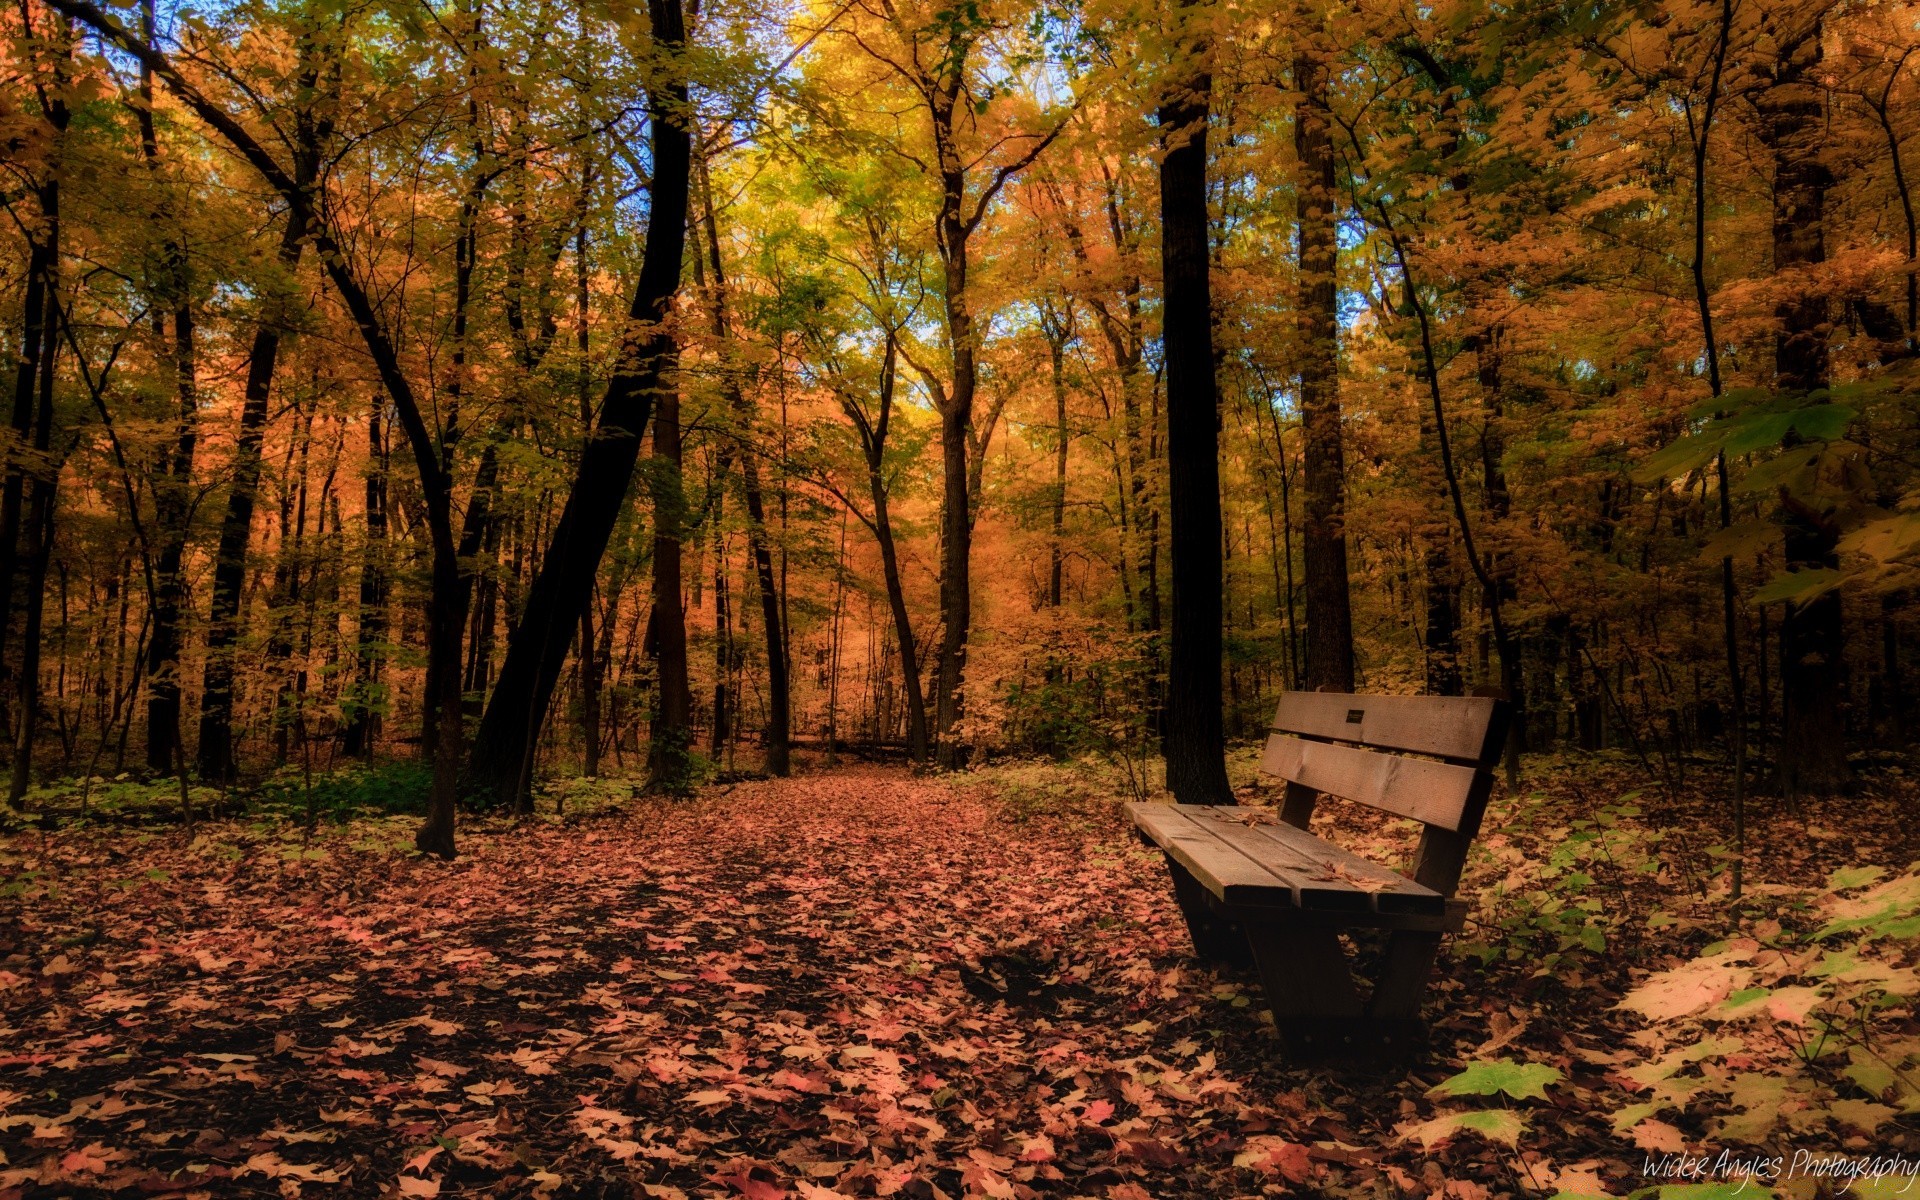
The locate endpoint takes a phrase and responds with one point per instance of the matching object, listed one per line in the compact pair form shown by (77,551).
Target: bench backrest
(1358,748)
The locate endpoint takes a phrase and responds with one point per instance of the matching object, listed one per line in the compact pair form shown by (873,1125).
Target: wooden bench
(1255,885)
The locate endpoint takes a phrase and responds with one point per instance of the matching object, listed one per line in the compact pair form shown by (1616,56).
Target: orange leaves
(570,1021)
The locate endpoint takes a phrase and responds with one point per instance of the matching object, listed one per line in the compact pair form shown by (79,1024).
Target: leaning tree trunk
(538,647)
(877,488)
(1813,753)
(1329,607)
(215,752)
(1195,750)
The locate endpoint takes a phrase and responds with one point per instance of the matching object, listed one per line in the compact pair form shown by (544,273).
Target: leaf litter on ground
(861,983)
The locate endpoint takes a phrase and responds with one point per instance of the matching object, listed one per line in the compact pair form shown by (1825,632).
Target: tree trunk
(538,647)
(1057,336)
(587,661)
(215,751)
(779,733)
(1813,749)
(172,491)
(39,509)
(362,726)
(1329,607)
(1194,741)
(669,768)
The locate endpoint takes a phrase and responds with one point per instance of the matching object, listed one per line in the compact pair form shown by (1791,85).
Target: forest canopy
(534,388)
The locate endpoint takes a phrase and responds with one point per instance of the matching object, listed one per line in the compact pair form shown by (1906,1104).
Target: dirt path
(854,983)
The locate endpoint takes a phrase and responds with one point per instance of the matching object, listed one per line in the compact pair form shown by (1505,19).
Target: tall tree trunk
(538,646)
(362,728)
(1813,748)
(779,733)
(1194,739)
(1329,607)
(215,752)
(35,379)
(172,491)
(42,262)
(45,478)
(722,632)
(671,736)
(39,545)
(875,444)
(1057,334)
(956,521)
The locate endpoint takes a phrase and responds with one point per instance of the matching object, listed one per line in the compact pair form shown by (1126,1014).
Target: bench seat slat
(1323,876)
(1275,865)
(1230,875)
(1433,793)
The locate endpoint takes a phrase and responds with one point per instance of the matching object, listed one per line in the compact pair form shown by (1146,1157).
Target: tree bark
(538,646)
(1329,606)
(215,752)
(669,767)
(874,442)
(172,490)
(1194,739)
(779,732)
(1813,749)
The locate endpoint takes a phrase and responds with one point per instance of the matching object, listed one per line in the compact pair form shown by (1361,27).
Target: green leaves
(1750,420)
(1501,1076)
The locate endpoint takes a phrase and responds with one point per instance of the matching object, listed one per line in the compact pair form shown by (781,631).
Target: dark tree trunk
(362,728)
(215,751)
(35,336)
(172,490)
(39,502)
(173,506)
(722,632)
(1813,748)
(1057,335)
(875,443)
(538,647)
(779,732)
(1194,740)
(1329,608)
(671,736)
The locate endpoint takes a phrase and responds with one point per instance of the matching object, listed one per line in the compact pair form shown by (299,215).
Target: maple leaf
(742,1180)
(90,1160)
(1659,1137)
(1522,1081)
(1497,1124)
(1272,1155)
(1686,989)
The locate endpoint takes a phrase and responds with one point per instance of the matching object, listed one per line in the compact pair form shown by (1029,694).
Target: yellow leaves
(1687,989)
(1497,1124)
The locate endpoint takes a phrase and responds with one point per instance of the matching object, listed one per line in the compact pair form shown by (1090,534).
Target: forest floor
(859,982)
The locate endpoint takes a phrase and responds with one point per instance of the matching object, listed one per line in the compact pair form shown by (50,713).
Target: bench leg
(1316,1009)
(1216,936)
(1403,975)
